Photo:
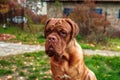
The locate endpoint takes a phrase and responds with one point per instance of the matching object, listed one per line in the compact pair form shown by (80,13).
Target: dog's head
(58,33)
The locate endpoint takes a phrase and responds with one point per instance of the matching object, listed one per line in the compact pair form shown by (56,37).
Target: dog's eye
(63,33)
(48,31)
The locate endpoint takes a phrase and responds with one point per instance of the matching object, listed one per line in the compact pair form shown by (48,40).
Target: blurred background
(22,22)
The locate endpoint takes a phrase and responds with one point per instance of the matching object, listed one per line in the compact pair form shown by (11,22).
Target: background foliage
(92,25)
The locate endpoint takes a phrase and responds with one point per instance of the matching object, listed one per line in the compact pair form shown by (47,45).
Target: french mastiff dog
(66,55)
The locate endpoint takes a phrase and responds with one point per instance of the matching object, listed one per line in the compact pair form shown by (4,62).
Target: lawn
(35,66)
(26,36)
(112,44)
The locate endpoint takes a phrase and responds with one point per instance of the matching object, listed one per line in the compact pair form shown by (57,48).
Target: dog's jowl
(66,55)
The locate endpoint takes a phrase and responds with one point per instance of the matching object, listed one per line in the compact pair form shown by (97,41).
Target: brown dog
(66,56)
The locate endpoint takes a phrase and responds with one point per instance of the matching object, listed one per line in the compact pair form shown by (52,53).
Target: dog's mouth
(51,51)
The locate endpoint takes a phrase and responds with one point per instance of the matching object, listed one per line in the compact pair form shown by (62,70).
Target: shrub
(92,25)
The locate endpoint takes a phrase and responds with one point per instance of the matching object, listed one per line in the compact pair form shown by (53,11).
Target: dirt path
(101,52)
(18,48)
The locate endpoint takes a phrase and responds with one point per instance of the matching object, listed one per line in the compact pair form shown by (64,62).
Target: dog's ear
(47,22)
(74,27)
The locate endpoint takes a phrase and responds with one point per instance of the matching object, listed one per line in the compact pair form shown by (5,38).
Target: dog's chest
(62,71)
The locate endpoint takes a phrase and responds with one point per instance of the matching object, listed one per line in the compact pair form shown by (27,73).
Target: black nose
(52,38)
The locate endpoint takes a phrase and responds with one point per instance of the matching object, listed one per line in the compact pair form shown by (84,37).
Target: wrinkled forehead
(59,24)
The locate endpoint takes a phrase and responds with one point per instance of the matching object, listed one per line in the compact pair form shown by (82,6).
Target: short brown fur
(66,56)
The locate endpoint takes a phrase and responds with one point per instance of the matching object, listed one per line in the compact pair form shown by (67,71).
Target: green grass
(36,65)
(5,71)
(86,46)
(110,44)
(105,68)
(115,44)
(35,36)
(29,65)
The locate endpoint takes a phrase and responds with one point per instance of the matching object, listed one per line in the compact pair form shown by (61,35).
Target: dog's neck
(71,53)
(74,50)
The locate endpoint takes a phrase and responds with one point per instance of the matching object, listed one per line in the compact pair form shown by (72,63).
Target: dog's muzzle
(50,49)
(50,53)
